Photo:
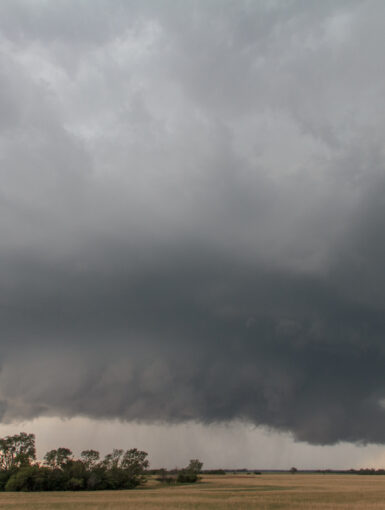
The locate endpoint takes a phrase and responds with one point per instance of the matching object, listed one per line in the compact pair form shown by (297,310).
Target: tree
(195,466)
(124,470)
(190,473)
(61,471)
(17,451)
(58,458)
(28,478)
(111,460)
(134,462)
(90,458)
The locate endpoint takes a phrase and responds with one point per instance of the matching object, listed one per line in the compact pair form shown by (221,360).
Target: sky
(191,229)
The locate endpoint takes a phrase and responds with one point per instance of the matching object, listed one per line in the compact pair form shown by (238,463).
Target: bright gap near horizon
(234,445)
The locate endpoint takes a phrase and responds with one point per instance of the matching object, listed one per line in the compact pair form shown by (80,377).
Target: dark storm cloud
(192,213)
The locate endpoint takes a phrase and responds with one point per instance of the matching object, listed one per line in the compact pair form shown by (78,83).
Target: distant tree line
(214,472)
(367,471)
(61,471)
(362,471)
(189,474)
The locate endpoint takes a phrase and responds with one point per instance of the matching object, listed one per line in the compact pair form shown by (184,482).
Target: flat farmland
(241,492)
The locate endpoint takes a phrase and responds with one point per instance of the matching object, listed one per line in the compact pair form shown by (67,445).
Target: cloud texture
(192,213)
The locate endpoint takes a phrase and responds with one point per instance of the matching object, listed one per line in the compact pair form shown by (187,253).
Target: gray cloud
(191,214)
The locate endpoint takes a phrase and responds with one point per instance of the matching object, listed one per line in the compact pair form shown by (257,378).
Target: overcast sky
(192,227)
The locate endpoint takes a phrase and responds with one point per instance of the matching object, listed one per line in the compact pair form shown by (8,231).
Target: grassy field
(240,492)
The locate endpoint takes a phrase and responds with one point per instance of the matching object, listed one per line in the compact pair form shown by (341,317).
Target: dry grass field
(240,492)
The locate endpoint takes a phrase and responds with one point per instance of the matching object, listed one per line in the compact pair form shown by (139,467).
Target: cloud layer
(191,213)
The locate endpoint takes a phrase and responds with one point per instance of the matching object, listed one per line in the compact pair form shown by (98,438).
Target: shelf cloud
(192,213)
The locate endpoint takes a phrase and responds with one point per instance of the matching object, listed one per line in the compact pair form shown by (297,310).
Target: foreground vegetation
(61,471)
(228,492)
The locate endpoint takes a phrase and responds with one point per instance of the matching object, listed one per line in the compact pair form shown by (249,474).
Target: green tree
(90,458)
(190,473)
(16,451)
(61,471)
(195,466)
(111,460)
(28,478)
(58,458)
(134,462)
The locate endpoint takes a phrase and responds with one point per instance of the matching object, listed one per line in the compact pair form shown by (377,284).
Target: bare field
(241,492)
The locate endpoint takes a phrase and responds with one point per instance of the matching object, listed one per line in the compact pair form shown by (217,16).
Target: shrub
(185,476)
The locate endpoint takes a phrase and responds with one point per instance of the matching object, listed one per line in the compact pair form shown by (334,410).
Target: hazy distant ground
(241,492)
